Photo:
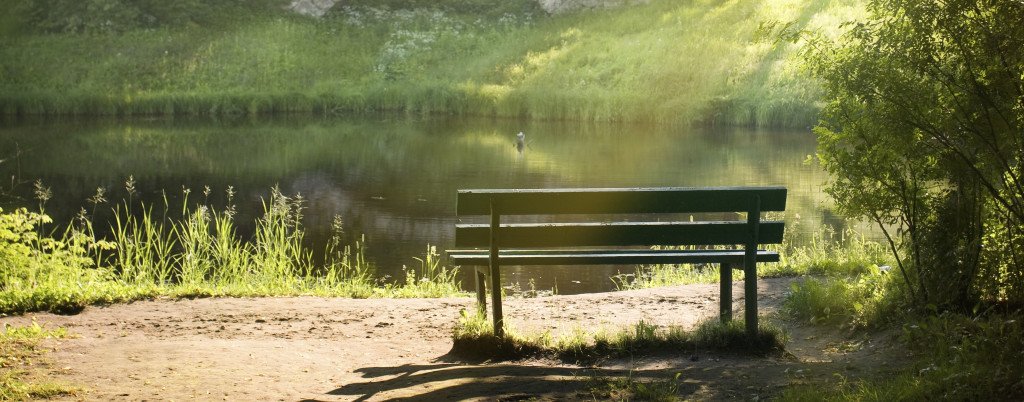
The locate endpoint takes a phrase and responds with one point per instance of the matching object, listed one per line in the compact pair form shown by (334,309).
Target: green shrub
(868,300)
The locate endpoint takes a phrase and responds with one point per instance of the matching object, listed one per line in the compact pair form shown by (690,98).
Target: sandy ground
(306,348)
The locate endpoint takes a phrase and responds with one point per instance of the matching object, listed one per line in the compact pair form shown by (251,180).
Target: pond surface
(394,179)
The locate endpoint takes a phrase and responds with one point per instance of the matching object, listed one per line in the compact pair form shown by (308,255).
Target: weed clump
(20,355)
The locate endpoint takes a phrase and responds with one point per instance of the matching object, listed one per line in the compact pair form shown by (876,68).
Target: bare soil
(308,348)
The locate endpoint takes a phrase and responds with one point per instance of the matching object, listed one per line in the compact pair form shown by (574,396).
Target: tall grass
(665,61)
(196,254)
(827,253)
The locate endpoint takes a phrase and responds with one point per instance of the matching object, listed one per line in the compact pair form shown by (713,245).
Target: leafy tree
(923,133)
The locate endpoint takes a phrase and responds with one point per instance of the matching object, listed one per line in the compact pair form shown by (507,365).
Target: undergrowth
(473,337)
(959,357)
(976,355)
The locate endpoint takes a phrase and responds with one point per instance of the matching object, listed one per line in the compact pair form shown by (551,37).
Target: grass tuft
(473,338)
(868,300)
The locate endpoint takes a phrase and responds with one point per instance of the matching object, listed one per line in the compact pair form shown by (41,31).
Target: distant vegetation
(666,61)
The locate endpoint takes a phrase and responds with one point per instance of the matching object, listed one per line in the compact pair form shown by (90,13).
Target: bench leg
(499,330)
(750,299)
(481,292)
(725,284)
(750,268)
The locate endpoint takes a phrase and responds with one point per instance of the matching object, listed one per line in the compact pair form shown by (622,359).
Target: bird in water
(520,142)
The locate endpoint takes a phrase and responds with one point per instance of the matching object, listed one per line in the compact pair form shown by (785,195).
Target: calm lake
(394,179)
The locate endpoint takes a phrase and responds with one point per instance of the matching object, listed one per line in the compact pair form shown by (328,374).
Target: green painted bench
(600,242)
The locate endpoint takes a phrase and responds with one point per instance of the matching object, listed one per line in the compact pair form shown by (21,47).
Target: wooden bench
(601,242)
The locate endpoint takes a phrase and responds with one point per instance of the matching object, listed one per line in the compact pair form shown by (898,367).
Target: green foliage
(42,273)
(846,253)
(923,134)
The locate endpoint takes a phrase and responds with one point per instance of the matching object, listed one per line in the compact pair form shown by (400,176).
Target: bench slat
(595,257)
(616,234)
(618,200)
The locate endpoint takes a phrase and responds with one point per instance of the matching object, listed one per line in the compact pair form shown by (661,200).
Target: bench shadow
(503,381)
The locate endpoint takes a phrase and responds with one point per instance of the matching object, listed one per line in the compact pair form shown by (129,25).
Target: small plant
(630,388)
(732,337)
(20,356)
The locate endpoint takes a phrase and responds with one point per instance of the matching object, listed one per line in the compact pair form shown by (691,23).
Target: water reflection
(394,179)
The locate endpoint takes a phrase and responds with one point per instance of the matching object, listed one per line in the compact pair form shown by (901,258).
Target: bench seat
(611,257)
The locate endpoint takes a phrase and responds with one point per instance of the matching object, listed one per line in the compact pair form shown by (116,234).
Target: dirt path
(309,348)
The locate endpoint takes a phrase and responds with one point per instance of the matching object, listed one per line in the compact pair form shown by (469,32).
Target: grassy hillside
(667,61)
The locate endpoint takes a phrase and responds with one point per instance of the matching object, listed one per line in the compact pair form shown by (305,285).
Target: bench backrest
(640,201)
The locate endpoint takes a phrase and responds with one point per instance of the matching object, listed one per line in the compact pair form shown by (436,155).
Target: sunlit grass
(197,255)
(826,254)
(666,61)
(473,337)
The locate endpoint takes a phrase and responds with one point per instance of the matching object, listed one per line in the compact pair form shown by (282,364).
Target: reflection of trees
(395,179)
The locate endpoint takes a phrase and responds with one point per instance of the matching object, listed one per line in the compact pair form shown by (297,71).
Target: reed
(195,254)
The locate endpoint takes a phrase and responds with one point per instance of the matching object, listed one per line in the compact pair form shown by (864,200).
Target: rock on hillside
(561,6)
(317,8)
